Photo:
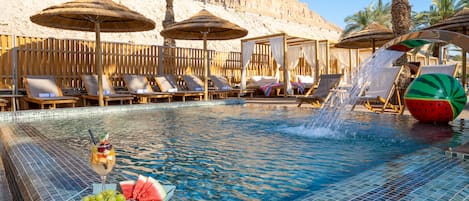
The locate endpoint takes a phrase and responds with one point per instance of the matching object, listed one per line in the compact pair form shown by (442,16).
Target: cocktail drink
(103,158)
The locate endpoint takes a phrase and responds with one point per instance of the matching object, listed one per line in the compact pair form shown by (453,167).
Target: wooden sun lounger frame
(53,101)
(3,104)
(384,100)
(332,80)
(211,92)
(107,98)
(144,98)
(454,68)
(180,93)
(218,79)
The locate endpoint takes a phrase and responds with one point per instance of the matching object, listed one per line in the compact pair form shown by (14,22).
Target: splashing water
(328,116)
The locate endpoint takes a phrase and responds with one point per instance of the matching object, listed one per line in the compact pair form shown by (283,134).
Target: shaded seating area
(376,95)
(139,86)
(221,83)
(91,86)
(43,90)
(317,97)
(168,83)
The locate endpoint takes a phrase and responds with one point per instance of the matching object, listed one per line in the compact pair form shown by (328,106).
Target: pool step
(461,152)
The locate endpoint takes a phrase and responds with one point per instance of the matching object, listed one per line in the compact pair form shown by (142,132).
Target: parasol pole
(205,66)
(99,67)
(373,44)
(464,62)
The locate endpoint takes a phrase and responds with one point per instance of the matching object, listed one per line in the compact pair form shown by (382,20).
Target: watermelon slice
(139,185)
(155,192)
(435,98)
(127,188)
(146,186)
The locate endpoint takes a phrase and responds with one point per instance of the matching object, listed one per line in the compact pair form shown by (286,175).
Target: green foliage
(438,11)
(379,13)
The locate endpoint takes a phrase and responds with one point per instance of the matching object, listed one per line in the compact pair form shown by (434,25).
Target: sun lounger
(196,84)
(220,83)
(320,95)
(139,86)
(167,83)
(43,90)
(447,69)
(381,88)
(91,86)
(3,104)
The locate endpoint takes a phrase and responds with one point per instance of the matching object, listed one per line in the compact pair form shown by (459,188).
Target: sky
(336,11)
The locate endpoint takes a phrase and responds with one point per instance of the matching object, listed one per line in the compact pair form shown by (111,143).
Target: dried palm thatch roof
(458,22)
(81,15)
(372,35)
(204,21)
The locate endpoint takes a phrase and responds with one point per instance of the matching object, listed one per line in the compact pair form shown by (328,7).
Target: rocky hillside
(259,17)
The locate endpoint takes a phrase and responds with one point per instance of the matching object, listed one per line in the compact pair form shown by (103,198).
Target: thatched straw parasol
(97,16)
(204,26)
(371,36)
(458,22)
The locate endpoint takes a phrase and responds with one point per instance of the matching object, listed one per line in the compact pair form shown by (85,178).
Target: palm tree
(168,20)
(400,12)
(438,11)
(379,13)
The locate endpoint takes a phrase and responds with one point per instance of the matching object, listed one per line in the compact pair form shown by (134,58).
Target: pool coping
(34,115)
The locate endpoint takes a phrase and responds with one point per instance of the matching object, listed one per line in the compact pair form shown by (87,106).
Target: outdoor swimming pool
(245,152)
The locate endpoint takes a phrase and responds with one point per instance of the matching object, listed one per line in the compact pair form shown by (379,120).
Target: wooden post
(350,63)
(464,69)
(285,70)
(14,71)
(328,62)
(205,66)
(160,60)
(316,79)
(99,67)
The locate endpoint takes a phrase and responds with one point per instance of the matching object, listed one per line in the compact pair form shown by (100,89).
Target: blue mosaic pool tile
(424,175)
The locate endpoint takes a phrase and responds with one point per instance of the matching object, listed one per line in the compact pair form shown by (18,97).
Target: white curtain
(309,53)
(293,57)
(343,61)
(322,57)
(276,45)
(248,49)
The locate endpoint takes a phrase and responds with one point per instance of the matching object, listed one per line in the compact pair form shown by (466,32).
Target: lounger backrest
(447,69)
(326,83)
(137,83)
(383,81)
(41,86)
(91,85)
(165,83)
(193,83)
(220,82)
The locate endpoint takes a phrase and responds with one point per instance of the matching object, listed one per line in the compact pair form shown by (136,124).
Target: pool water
(246,152)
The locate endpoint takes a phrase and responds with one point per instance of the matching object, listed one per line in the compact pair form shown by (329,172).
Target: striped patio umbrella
(95,16)
(369,37)
(204,26)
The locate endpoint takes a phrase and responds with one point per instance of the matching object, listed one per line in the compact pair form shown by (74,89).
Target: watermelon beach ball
(436,98)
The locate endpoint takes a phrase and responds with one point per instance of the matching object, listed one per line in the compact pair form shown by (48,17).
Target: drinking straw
(93,139)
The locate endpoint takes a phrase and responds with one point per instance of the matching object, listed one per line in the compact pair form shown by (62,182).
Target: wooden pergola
(289,40)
